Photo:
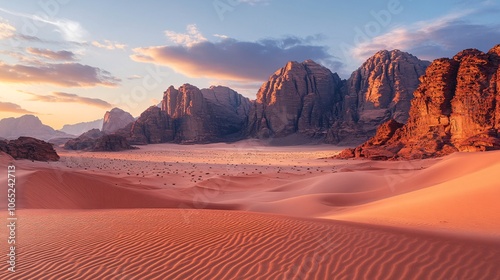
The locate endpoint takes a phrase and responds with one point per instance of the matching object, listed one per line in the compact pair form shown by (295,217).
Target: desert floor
(250,211)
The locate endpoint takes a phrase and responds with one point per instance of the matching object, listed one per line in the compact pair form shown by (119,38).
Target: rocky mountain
(79,128)
(308,99)
(152,127)
(191,115)
(455,108)
(29,148)
(86,141)
(116,119)
(30,126)
(304,98)
(381,89)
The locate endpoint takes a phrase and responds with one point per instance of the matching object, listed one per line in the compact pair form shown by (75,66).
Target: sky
(69,61)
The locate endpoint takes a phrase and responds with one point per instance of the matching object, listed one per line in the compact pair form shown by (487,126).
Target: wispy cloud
(52,55)
(188,39)
(230,59)
(70,30)
(6,30)
(134,77)
(13,108)
(60,74)
(109,45)
(63,97)
(441,37)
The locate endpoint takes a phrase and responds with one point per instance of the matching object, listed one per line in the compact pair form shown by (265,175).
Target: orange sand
(319,218)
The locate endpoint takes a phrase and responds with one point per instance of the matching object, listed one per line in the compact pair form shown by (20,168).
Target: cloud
(6,30)
(442,37)
(13,108)
(109,45)
(63,97)
(230,59)
(53,55)
(134,77)
(193,36)
(255,2)
(61,74)
(70,30)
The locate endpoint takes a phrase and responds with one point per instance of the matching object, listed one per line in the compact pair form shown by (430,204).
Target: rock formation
(152,127)
(228,109)
(191,115)
(86,141)
(303,98)
(29,148)
(207,115)
(381,89)
(455,108)
(111,143)
(116,119)
(96,140)
(308,99)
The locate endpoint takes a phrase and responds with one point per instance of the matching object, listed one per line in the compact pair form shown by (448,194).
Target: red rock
(29,148)
(455,108)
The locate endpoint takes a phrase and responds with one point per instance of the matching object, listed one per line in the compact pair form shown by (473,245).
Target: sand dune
(422,219)
(211,244)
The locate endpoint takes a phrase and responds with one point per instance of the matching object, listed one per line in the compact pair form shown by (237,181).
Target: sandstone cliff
(381,89)
(455,108)
(303,98)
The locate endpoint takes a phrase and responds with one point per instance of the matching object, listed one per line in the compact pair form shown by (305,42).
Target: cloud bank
(442,37)
(59,74)
(52,55)
(230,59)
(63,97)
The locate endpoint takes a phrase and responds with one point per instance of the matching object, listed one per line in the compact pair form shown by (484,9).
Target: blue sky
(69,61)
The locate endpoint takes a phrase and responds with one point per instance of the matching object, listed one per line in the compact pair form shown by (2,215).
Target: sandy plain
(250,211)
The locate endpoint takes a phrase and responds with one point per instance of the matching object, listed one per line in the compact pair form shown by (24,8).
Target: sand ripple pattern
(210,244)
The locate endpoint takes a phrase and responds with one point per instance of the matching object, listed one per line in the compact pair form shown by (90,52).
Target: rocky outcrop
(86,141)
(152,127)
(300,98)
(207,115)
(116,119)
(29,126)
(111,143)
(455,108)
(228,109)
(306,98)
(29,148)
(381,89)
(96,140)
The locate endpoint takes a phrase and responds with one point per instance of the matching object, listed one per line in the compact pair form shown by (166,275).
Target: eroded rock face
(86,141)
(29,148)
(381,89)
(152,127)
(116,119)
(455,108)
(303,98)
(207,115)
